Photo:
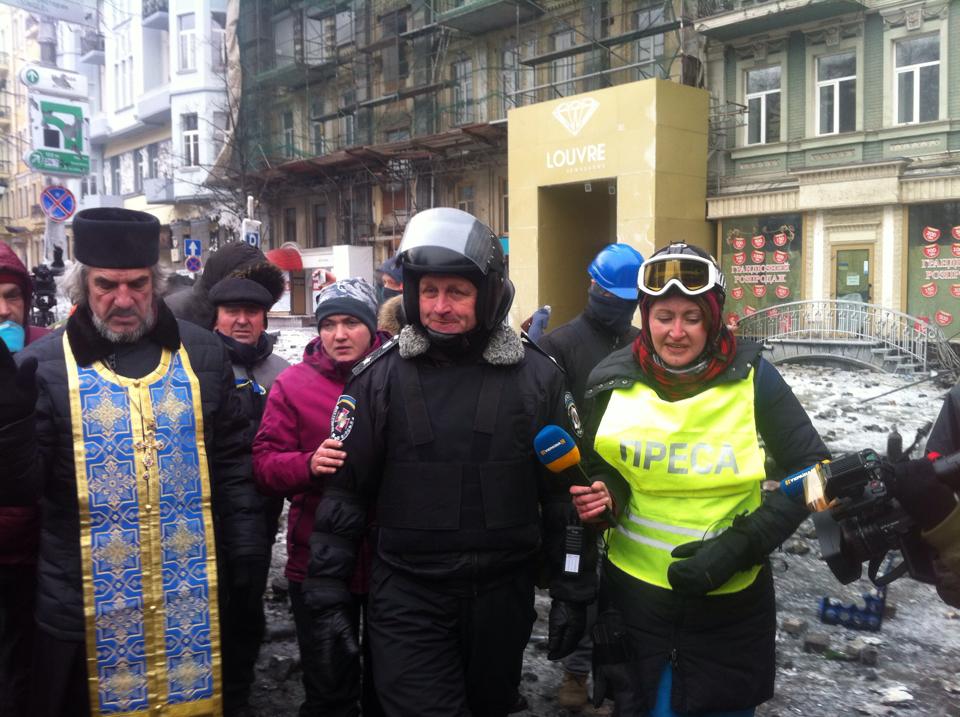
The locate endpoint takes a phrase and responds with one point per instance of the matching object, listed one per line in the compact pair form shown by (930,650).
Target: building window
(315,45)
(508,79)
(347,131)
(648,50)
(562,70)
(123,69)
(115,187)
(462,91)
(218,40)
(917,77)
(153,161)
(465,197)
(221,130)
(88,184)
(317,138)
(138,171)
(763,105)
(283,41)
(344,27)
(187,41)
(290,224)
(286,130)
(837,93)
(319,225)
(191,140)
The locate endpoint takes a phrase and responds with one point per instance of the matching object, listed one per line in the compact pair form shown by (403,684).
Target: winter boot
(572,694)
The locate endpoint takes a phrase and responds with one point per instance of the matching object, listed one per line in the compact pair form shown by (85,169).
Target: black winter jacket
(579,345)
(721,647)
(452,503)
(238,521)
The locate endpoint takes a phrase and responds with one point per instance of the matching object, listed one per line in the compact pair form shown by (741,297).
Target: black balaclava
(611,312)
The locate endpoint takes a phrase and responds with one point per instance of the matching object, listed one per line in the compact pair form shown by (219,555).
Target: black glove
(334,642)
(922,495)
(18,387)
(568,622)
(711,563)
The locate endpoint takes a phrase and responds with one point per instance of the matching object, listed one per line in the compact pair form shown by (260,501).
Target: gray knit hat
(353,297)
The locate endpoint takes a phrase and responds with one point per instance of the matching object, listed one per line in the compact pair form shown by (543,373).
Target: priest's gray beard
(125,337)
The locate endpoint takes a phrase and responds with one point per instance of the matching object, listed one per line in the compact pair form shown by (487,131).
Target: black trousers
(18,584)
(448,650)
(322,697)
(58,686)
(242,627)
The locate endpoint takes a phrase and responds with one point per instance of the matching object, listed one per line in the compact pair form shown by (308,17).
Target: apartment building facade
(365,111)
(159,108)
(835,146)
(21,221)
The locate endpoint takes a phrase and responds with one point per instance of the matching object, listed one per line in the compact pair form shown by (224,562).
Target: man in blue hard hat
(578,345)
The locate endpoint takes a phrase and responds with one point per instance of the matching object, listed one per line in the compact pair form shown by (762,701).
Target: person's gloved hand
(334,641)
(567,623)
(18,387)
(708,564)
(920,492)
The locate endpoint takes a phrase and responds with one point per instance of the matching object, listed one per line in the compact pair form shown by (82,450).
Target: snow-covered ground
(918,649)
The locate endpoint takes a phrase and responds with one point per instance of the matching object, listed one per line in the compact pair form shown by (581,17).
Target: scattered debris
(793,625)
(818,642)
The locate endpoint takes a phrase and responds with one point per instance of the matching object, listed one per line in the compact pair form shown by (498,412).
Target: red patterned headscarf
(721,347)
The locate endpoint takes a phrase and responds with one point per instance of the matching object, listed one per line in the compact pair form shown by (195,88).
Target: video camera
(44,296)
(863,521)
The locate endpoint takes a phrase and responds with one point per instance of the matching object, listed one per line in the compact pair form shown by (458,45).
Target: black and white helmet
(450,241)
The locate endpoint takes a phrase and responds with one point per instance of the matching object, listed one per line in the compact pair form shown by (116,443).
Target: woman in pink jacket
(293,451)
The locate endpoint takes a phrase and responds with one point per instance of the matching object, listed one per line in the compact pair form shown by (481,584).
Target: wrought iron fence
(900,335)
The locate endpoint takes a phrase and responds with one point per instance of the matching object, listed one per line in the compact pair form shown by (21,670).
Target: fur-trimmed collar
(504,347)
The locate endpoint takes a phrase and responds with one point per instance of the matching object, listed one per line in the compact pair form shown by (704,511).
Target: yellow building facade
(627,163)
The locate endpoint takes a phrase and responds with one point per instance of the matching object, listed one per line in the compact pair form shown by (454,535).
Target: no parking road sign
(58,203)
(193,263)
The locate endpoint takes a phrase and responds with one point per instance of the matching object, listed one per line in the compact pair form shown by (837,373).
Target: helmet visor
(693,275)
(453,230)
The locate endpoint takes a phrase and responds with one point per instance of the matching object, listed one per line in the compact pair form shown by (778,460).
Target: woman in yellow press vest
(688,621)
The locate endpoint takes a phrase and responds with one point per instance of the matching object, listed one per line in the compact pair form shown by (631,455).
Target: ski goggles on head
(693,275)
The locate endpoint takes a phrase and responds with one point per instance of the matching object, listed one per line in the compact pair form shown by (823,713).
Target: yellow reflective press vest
(692,465)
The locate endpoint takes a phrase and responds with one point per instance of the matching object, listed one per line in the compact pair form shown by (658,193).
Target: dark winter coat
(458,491)
(19,524)
(233,259)
(255,368)
(295,422)
(945,537)
(579,345)
(721,647)
(237,518)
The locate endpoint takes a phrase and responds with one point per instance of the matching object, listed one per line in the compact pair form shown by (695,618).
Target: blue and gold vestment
(146,538)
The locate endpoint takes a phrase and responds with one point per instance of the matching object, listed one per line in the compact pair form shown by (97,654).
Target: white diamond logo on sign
(574,114)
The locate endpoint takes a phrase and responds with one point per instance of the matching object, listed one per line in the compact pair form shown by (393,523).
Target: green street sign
(57,131)
(32,77)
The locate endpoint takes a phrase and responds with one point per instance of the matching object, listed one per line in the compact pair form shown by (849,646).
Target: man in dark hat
(241,322)
(129,430)
(236,259)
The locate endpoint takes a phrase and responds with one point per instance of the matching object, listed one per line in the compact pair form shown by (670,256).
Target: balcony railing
(91,42)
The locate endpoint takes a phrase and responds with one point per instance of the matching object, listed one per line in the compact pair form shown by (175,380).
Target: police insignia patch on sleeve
(572,414)
(344,414)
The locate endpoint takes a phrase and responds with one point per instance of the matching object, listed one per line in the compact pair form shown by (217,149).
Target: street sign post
(250,230)
(58,203)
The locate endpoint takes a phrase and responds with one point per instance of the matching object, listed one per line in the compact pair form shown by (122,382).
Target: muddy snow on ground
(908,667)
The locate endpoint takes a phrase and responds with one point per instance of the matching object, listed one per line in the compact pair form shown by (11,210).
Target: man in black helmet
(438,429)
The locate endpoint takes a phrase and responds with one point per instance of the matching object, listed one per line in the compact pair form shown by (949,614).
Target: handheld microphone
(557,450)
